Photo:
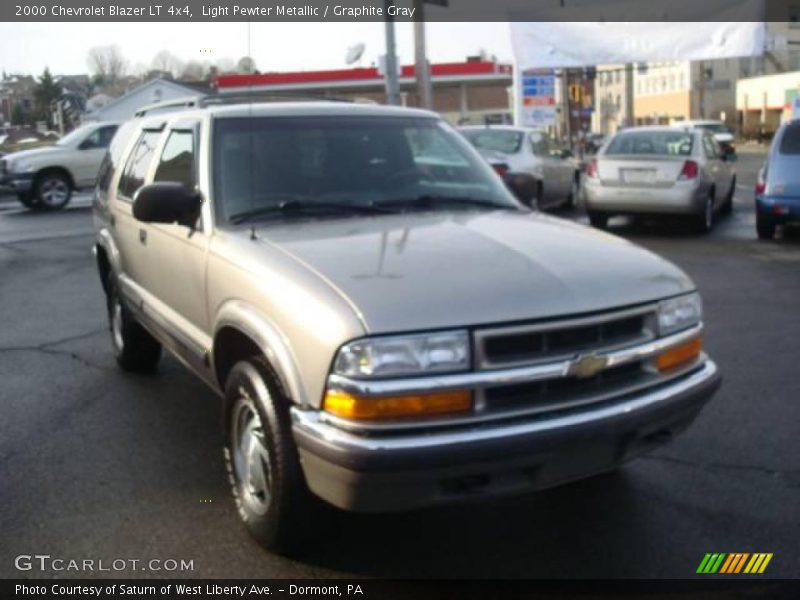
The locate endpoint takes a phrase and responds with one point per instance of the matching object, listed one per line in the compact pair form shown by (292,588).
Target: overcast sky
(29,47)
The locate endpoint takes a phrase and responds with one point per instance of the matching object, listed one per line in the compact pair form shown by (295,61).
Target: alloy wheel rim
(54,192)
(251,459)
(116,326)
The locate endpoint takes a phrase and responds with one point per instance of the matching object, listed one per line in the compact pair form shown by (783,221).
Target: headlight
(404,355)
(20,167)
(679,313)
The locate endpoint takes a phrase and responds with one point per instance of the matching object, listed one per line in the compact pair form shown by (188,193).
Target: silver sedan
(658,170)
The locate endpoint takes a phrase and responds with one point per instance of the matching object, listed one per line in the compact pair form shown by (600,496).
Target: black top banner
(399,10)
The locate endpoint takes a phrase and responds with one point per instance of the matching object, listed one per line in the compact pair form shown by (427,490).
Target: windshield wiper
(432,200)
(302,207)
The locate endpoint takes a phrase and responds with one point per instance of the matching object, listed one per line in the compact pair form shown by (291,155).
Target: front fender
(273,343)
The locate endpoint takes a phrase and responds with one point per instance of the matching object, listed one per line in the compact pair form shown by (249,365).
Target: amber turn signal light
(679,355)
(350,406)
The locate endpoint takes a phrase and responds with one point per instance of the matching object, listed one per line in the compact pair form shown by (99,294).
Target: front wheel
(53,191)
(261,457)
(134,348)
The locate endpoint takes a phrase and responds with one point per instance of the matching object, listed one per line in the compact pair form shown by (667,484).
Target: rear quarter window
(790,140)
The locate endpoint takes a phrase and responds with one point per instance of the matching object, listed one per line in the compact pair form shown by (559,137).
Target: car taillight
(501,168)
(761,181)
(690,170)
(591,169)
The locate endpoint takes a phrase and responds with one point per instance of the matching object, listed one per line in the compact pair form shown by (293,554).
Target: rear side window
(178,160)
(790,140)
(496,140)
(111,162)
(138,163)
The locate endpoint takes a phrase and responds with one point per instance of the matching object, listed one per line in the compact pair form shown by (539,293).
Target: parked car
(387,326)
(44,178)
(660,171)
(722,134)
(531,151)
(777,190)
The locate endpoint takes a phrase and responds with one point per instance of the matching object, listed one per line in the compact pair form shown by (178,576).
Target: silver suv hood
(440,270)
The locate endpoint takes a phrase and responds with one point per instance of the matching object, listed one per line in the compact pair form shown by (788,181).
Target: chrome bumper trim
(477,380)
(313,424)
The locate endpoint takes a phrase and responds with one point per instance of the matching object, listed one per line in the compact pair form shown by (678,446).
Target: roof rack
(238,98)
(189,102)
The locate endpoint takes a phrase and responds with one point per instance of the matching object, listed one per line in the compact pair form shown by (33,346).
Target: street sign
(538,89)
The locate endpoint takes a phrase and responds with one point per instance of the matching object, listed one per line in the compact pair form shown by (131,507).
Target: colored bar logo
(736,562)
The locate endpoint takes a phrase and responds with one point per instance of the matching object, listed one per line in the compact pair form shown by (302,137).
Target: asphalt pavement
(99,464)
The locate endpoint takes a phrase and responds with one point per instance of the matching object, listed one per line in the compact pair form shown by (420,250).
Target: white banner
(579,44)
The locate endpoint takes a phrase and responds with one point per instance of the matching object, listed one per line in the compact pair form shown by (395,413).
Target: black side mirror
(566,153)
(87,144)
(167,202)
(523,186)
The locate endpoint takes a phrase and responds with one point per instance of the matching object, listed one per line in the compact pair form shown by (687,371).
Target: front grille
(564,340)
(553,394)
(553,341)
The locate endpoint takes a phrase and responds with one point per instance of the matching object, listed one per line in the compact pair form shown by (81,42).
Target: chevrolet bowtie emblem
(587,365)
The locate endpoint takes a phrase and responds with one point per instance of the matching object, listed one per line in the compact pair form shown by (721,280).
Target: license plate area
(638,176)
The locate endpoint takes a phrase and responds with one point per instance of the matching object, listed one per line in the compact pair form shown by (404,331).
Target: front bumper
(17,183)
(398,472)
(682,198)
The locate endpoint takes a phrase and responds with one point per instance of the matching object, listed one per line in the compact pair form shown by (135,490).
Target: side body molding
(239,315)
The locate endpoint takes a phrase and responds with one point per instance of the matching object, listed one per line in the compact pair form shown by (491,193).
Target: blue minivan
(778,185)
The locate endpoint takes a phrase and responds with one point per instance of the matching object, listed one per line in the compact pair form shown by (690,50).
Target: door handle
(143,236)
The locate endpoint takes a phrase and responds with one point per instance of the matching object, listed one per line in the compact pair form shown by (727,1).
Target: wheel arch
(240,331)
(55,169)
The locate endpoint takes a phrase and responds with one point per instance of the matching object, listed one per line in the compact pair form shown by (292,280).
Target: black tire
(704,222)
(537,200)
(598,219)
(261,457)
(572,197)
(765,227)
(727,206)
(52,190)
(28,200)
(134,348)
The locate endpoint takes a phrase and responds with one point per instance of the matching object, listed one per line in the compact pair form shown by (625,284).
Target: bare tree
(246,65)
(226,65)
(167,62)
(195,70)
(106,63)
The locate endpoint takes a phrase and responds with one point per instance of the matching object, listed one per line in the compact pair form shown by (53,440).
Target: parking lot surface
(97,463)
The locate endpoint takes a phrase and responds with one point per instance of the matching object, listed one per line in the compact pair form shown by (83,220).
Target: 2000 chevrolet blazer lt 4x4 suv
(388,326)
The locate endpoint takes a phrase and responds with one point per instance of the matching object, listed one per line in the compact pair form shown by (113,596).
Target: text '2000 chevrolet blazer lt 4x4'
(388,326)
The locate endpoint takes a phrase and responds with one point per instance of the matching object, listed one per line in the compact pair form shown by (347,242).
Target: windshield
(75,136)
(264,163)
(495,140)
(669,143)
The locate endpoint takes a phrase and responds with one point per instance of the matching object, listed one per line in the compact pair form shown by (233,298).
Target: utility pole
(421,66)
(701,90)
(567,106)
(392,85)
(630,114)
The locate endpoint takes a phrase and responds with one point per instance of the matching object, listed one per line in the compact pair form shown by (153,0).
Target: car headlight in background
(679,313)
(404,355)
